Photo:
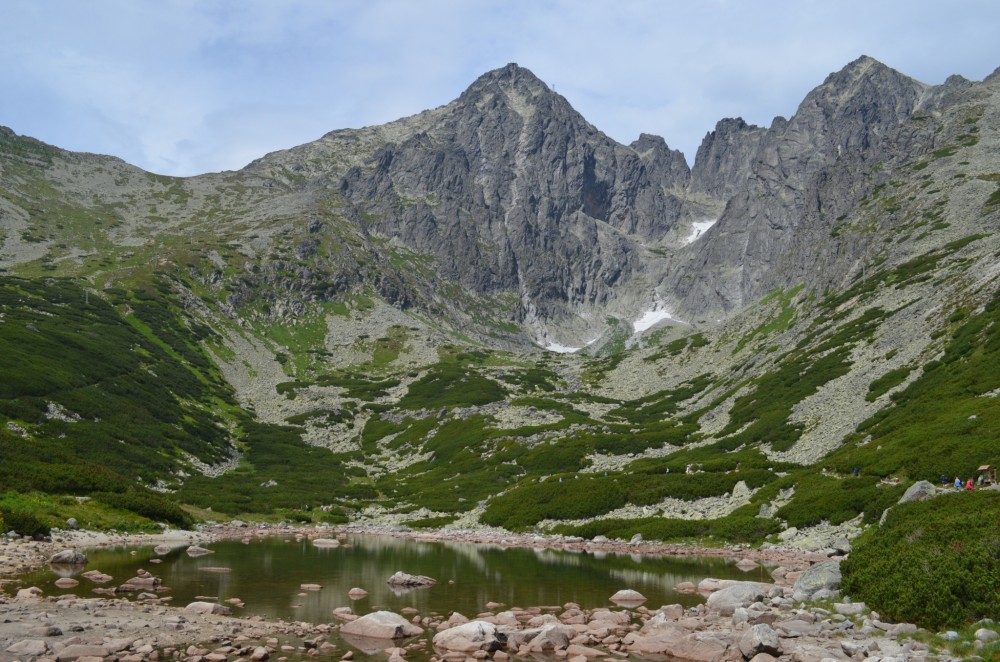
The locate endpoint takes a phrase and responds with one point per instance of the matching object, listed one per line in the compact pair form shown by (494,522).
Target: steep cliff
(786,185)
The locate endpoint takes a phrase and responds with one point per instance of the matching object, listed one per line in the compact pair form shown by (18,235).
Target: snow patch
(560,349)
(658,313)
(698,228)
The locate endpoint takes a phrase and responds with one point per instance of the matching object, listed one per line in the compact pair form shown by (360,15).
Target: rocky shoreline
(739,621)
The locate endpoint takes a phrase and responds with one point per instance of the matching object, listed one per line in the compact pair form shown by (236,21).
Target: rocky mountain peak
(521,88)
(510,76)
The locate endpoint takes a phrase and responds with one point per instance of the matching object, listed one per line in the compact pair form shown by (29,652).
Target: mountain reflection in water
(267,575)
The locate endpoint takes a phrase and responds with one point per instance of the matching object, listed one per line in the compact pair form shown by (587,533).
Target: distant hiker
(857,472)
(958,483)
(968,485)
(944,480)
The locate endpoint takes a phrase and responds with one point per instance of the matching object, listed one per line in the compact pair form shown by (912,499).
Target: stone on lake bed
(357,593)
(211,568)
(195,550)
(97,576)
(162,549)
(310,587)
(66,582)
(326,542)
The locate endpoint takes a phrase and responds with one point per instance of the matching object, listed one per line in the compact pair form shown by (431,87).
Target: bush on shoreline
(935,563)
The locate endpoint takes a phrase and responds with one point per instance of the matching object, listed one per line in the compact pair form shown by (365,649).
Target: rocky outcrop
(725,160)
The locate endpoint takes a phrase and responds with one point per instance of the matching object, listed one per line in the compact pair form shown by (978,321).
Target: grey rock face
(725,159)
(776,229)
(507,189)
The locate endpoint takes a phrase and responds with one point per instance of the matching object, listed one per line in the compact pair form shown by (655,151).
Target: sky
(183,87)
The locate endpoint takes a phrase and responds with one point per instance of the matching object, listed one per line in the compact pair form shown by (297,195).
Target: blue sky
(182,87)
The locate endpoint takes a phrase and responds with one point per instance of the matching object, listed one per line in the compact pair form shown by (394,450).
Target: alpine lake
(267,575)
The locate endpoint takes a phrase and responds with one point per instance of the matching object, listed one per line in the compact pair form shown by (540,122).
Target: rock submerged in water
(326,542)
(69,557)
(403,579)
(97,576)
(195,550)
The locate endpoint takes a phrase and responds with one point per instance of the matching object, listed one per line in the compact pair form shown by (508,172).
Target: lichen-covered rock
(820,577)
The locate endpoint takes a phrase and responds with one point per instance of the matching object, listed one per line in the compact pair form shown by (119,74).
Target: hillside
(352,328)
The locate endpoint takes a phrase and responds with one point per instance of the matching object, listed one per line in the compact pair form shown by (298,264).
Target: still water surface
(267,573)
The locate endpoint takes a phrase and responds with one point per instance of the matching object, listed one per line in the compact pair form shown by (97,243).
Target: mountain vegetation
(363,328)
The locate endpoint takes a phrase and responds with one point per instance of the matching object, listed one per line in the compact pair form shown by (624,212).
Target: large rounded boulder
(381,625)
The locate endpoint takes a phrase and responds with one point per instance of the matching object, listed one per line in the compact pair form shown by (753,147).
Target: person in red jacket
(968,484)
